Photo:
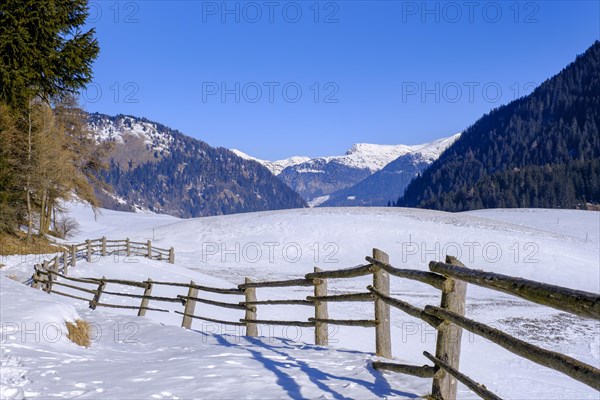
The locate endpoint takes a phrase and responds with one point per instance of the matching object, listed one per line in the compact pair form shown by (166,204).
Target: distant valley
(367,175)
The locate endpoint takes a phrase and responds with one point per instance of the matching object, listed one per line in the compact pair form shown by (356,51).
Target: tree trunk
(43,214)
(53,210)
(28,187)
(49,214)
(29,213)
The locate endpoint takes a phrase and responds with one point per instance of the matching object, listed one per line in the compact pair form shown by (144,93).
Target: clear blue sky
(384,72)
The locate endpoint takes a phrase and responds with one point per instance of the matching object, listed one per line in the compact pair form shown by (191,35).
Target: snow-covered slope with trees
(124,128)
(160,169)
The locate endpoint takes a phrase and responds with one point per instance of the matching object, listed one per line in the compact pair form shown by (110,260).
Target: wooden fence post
(37,277)
(250,293)
(96,299)
(381,282)
(48,286)
(56,266)
(73,255)
(103,246)
(321,329)
(145,301)
(128,247)
(150,249)
(190,306)
(88,256)
(449,336)
(66,262)
(172,255)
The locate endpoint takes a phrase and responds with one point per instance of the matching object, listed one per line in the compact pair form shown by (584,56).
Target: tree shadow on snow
(380,387)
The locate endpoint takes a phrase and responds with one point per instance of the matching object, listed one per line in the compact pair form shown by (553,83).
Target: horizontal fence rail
(62,261)
(450,278)
(567,365)
(424,371)
(572,301)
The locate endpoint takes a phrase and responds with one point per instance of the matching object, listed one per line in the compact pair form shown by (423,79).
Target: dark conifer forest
(191,178)
(542,150)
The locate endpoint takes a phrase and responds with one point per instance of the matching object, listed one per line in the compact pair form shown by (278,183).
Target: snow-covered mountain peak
(274,166)
(374,157)
(436,148)
(119,128)
(371,156)
(389,183)
(362,156)
(323,176)
(369,148)
(320,177)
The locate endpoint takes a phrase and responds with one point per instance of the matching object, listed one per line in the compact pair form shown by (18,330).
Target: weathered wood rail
(450,278)
(104,247)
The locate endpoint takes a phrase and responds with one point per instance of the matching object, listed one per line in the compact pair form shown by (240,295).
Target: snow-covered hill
(554,246)
(325,176)
(140,358)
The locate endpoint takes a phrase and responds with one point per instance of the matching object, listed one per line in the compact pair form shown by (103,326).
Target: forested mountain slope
(542,150)
(165,171)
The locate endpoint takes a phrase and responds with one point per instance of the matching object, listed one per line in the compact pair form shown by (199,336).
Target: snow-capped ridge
(274,166)
(365,156)
(377,156)
(120,127)
(388,183)
(322,176)
(437,147)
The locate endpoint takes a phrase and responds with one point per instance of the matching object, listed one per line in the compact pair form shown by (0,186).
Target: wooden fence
(103,247)
(447,317)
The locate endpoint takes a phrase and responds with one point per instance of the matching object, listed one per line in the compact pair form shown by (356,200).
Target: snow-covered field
(152,357)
